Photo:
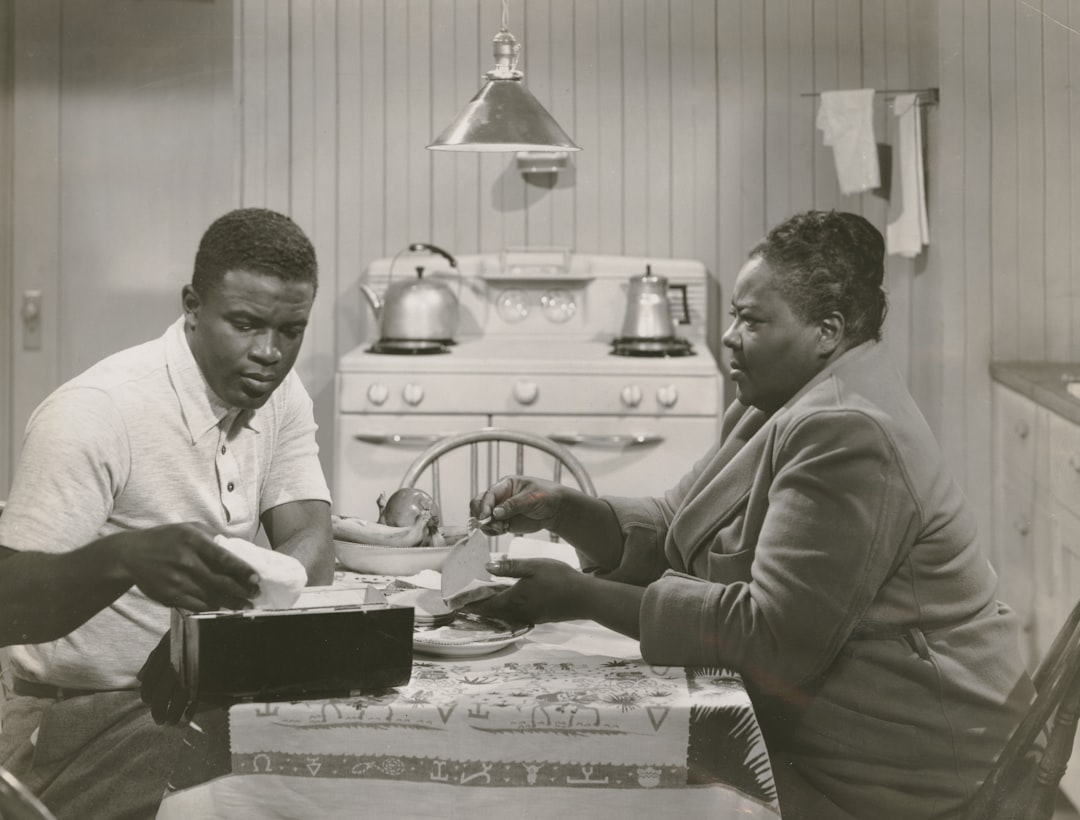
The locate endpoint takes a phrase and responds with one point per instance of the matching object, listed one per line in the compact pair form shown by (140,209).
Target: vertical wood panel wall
(697,137)
(695,134)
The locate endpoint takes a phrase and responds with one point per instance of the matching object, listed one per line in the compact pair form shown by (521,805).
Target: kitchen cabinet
(1019,425)
(1036,539)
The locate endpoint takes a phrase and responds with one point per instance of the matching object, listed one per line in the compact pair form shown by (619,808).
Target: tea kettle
(648,311)
(416,309)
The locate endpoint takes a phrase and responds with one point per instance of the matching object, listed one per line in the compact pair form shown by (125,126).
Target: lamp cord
(505,15)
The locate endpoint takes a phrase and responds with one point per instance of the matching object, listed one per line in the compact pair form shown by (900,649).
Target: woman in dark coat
(821,549)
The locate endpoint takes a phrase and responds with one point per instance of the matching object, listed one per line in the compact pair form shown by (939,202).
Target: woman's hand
(519,504)
(546,590)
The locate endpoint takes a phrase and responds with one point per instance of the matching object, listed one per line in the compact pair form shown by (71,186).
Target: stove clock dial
(512,305)
(559,305)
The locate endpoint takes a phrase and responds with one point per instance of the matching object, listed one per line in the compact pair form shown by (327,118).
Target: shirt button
(223,449)
(229,487)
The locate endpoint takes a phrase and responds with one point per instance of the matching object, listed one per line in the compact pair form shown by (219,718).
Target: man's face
(246,333)
(773,352)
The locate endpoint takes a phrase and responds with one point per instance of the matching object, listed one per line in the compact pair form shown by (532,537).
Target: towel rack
(923,96)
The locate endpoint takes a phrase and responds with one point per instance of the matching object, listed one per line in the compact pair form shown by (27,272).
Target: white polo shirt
(137,441)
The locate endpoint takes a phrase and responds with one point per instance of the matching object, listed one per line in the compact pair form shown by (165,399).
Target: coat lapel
(724,483)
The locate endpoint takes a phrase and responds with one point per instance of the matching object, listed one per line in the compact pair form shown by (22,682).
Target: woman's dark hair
(829,261)
(256,240)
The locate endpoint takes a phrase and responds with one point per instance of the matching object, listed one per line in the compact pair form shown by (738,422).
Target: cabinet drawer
(1046,536)
(1014,556)
(1016,433)
(1064,457)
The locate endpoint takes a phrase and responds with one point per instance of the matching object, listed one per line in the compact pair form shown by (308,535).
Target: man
(206,424)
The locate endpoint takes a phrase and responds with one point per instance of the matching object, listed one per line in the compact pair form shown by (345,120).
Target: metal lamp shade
(503,116)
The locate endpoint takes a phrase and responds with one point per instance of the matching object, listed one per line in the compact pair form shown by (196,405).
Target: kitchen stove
(534,352)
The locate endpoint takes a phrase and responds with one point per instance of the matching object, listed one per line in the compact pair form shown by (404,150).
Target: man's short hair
(256,240)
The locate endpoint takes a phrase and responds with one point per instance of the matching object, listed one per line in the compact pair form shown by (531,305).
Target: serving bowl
(380,560)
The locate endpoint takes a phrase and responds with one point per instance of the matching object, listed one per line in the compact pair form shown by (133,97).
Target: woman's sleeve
(644,523)
(839,512)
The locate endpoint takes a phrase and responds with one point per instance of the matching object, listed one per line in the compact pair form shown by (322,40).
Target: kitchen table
(566,722)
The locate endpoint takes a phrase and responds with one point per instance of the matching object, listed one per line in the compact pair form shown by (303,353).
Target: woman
(821,549)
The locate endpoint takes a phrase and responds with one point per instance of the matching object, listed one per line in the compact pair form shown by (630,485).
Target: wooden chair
(457,468)
(17,802)
(1023,784)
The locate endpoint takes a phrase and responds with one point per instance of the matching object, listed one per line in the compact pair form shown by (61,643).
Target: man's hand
(161,689)
(179,565)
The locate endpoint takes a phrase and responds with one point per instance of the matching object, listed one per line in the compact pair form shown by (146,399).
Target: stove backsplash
(586,296)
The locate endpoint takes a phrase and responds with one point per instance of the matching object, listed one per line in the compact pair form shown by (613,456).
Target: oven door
(373,452)
(632,456)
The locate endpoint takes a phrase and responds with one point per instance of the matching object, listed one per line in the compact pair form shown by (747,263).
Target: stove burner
(671,346)
(411,347)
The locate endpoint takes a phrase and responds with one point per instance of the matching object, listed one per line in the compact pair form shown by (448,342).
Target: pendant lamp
(504,115)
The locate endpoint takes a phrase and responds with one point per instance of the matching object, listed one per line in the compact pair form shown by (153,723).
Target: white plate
(447,641)
(380,560)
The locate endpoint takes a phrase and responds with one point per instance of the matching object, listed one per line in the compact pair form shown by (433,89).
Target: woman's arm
(44,596)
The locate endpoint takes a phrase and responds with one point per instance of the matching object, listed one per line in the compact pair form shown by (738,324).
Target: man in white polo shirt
(207,424)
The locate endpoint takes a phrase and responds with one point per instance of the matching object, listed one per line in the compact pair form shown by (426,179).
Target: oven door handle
(400,439)
(616,440)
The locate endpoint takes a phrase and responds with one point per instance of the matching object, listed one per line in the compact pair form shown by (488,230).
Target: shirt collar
(203,410)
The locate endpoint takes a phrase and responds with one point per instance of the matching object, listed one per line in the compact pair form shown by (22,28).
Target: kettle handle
(685,318)
(435,249)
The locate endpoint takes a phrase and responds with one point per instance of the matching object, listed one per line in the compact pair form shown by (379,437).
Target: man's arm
(302,529)
(44,596)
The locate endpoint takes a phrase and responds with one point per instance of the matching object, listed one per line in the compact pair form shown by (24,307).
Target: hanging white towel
(908,229)
(846,120)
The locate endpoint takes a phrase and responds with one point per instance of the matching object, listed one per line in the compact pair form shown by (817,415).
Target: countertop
(1043,383)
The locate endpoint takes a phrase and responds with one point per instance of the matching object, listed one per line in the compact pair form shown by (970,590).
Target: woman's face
(773,352)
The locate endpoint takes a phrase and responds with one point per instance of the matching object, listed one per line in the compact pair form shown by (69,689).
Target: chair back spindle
(1016,787)
(484,450)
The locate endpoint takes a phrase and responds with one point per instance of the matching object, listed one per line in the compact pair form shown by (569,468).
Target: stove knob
(526,392)
(378,393)
(667,396)
(413,394)
(631,395)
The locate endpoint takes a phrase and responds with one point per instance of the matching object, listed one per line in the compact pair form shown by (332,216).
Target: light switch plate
(31,319)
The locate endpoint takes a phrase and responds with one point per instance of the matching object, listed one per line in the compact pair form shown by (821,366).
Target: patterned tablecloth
(567,722)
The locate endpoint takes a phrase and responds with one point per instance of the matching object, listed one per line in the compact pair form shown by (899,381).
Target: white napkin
(281,577)
(464,577)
